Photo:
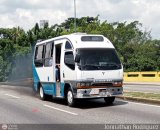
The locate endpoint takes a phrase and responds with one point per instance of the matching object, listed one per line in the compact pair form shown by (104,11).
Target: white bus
(89,68)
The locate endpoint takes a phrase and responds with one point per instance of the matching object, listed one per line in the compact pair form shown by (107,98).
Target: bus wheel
(109,100)
(42,95)
(70,98)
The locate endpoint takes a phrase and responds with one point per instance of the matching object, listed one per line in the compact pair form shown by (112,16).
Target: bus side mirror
(77,58)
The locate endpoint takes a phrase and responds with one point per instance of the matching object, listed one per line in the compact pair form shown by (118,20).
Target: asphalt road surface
(19,105)
(151,88)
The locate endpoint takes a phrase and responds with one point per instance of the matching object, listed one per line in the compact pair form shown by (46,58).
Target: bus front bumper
(99,92)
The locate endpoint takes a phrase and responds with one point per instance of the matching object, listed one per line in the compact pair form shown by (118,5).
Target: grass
(155,96)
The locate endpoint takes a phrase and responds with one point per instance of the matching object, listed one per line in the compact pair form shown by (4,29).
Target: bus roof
(83,40)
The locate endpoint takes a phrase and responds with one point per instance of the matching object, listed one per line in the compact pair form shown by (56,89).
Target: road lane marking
(145,104)
(141,104)
(58,109)
(12,96)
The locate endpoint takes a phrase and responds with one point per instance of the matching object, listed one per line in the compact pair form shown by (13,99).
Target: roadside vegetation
(143,95)
(136,48)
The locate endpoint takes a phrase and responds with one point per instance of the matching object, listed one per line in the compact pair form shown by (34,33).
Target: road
(19,105)
(142,87)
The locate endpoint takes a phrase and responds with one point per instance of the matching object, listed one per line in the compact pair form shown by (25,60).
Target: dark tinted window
(39,54)
(92,38)
(99,59)
(48,50)
(69,60)
(48,54)
(36,53)
(68,45)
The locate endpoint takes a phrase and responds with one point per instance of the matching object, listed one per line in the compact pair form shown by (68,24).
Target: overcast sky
(25,13)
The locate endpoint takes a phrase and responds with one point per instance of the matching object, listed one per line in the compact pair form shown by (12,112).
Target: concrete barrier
(142,77)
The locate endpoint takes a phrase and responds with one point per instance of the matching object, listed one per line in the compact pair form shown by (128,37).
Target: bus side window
(68,45)
(69,60)
(48,54)
(36,53)
(38,60)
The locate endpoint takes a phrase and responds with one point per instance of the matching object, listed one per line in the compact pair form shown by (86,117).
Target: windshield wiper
(91,65)
(100,67)
(113,64)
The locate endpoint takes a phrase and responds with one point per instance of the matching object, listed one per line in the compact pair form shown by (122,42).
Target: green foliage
(136,49)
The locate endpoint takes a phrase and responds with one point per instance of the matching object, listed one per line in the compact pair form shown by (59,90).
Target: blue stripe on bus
(62,89)
(49,88)
(35,78)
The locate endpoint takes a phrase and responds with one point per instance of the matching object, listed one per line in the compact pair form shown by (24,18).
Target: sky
(25,13)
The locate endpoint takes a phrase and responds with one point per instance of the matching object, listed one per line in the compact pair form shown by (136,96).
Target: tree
(135,47)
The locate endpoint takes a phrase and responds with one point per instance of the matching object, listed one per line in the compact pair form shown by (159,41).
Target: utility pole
(75,16)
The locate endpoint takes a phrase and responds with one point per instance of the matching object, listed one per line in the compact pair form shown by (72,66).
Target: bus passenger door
(58,68)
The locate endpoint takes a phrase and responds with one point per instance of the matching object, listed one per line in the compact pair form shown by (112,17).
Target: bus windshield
(98,59)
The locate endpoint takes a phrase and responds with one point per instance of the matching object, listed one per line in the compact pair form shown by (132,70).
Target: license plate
(102,92)
(94,91)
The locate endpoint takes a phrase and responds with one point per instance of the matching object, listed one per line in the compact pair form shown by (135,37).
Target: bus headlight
(117,84)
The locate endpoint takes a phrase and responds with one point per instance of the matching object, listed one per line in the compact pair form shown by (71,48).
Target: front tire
(109,100)
(70,98)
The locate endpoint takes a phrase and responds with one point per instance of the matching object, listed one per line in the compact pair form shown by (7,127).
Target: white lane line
(11,96)
(58,109)
(142,104)
(145,104)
